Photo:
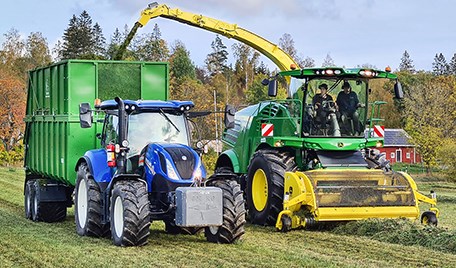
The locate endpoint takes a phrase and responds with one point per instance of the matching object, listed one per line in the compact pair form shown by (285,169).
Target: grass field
(24,243)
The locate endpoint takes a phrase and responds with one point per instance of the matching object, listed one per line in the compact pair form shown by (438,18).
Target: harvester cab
(146,170)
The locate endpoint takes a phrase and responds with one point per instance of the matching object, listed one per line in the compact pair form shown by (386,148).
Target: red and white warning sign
(267,130)
(379,131)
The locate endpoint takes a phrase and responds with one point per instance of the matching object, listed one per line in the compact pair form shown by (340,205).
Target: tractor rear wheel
(233,214)
(265,179)
(88,208)
(130,216)
(44,210)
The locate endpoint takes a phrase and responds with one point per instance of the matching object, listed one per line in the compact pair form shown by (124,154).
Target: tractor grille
(361,189)
(184,161)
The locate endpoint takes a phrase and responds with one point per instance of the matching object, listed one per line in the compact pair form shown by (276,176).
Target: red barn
(398,148)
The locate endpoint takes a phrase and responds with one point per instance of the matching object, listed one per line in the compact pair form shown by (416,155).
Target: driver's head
(323,88)
(346,87)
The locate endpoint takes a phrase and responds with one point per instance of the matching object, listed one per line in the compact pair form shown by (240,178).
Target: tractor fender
(228,158)
(97,162)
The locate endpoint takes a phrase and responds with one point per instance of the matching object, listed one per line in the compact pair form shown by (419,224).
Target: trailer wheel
(88,210)
(45,211)
(233,214)
(130,216)
(28,199)
(429,218)
(264,187)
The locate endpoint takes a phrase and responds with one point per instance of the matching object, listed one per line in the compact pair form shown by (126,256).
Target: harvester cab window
(331,111)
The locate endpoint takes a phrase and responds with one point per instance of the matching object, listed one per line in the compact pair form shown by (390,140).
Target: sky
(355,32)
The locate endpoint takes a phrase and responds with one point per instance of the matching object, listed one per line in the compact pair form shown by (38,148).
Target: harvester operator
(347,102)
(326,110)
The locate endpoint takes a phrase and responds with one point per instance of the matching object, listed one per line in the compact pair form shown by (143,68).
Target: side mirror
(265,82)
(272,89)
(230,111)
(85,115)
(398,93)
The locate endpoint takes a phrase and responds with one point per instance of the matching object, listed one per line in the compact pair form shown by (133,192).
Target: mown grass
(28,244)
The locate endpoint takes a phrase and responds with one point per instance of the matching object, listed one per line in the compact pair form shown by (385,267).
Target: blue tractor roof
(142,105)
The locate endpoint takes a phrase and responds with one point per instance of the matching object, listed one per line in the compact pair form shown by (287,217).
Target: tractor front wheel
(130,217)
(265,181)
(88,205)
(233,214)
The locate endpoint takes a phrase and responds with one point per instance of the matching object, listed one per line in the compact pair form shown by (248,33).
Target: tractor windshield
(332,106)
(145,128)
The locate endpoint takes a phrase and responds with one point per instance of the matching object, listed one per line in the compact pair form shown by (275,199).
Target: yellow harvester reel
(344,195)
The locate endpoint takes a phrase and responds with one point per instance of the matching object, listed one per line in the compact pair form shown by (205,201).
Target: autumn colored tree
(12,109)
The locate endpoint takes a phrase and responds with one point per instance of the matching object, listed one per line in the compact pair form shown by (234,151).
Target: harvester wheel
(46,211)
(265,185)
(429,218)
(130,216)
(28,199)
(232,227)
(88,208)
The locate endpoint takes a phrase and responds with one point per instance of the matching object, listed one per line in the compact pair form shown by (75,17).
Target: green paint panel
(54,139)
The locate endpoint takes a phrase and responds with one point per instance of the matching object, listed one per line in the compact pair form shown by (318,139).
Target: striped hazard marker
(379,131)
(267,130)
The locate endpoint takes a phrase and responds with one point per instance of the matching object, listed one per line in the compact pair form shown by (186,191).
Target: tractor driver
(325,110)
(347,102)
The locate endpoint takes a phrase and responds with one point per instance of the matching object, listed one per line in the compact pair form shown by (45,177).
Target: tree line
(427,112)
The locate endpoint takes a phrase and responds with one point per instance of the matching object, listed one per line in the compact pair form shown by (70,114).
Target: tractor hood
(176,162)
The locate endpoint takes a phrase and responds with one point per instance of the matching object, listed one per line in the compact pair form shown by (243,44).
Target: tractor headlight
(172,174)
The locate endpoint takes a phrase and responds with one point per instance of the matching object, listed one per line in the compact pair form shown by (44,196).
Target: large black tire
(233,214)
(429,218)
(172,228)
(46,211)
(130,216)
(266,171)
(28,198)
(88,209)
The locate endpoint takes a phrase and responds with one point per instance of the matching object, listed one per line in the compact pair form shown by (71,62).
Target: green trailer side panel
(155,78)
(54,140)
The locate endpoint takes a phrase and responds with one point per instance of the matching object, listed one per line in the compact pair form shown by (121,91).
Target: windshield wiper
(169,120)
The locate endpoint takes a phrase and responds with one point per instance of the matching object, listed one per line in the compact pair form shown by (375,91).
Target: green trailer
(54,139)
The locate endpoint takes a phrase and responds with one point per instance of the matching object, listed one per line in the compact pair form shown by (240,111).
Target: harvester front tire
(46,211)
(130,216)
(268,166)
(88,210)
(429,218)
(232,227)
(28,199)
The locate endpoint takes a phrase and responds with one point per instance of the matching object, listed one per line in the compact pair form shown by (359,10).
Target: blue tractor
(145,170)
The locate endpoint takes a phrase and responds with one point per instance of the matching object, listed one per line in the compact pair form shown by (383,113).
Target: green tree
(452,65)
(181,66)
(430,116)
(114,45)
(245,66)
(11,55)
(37,50)
(440,66)
(82,40)
(406,64)
(150,47)
(308,62)
(328,61)
(216,61)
